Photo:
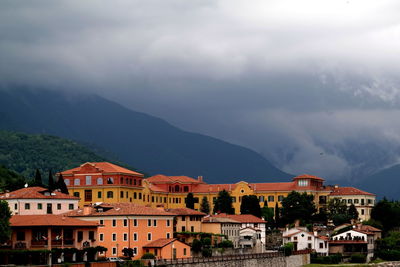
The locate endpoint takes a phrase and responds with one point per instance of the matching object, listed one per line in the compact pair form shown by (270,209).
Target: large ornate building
(106,182)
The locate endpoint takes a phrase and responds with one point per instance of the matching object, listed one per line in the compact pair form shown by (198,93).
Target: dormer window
(302,182)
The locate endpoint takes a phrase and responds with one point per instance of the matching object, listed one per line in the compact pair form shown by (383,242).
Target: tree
(277,216)
(38,179)
(51,184)
(190,201)
(197,245)
(250,205)
(298,206)
(268,214)
(205,206)
(223,203)
(352,212)
(61,185)
(336,206)
(5,215)
(387,213)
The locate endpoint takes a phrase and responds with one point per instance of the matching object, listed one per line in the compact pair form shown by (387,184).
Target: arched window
(110,194)
(186,189)
(77,181)
(99,180)
(126,180)
(176,188)
(110,180)
(66,181)
(121,180)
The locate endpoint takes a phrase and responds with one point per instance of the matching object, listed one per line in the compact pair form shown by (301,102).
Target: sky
(312,85)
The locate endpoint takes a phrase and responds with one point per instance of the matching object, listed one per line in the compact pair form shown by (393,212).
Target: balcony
(39,243)
(247,242)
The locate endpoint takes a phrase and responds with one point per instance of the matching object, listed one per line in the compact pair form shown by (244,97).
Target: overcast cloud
(312,85)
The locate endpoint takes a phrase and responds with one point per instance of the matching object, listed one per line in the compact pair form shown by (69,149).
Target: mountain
(384,183)
(138,139)
(24,153)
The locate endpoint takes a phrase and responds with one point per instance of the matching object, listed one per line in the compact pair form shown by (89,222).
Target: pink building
(39,201)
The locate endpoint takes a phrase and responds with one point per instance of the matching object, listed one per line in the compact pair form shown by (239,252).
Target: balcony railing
(39,243)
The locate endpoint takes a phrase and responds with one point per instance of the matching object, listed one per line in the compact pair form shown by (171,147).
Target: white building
(303,239)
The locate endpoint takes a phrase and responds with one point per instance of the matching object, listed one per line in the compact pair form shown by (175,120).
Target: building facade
(303,239)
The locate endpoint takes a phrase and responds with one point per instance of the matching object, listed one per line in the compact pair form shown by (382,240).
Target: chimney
(200,179)
(87,209)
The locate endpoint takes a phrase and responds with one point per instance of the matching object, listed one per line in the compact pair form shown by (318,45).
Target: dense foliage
(250,205)
(339,213)
(10,180)
(205,205)
(190,201)
(24,153)
(5,228)
(298,206)
(387,214)
(223,203)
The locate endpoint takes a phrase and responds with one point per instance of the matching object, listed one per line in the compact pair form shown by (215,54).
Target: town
(100,211)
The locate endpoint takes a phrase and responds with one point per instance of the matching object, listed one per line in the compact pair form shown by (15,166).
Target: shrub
(225,244)
(358,258)
(196,245)
(332,259)
(389,255)
(206,241)
(288,248)
(206,252)
(148,256)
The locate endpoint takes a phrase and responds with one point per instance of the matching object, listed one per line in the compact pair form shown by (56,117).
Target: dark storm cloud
(290,79)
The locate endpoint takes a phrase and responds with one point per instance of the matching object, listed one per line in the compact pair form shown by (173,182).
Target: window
(362,201)
(76,194)
(186,189)
(110,194)
(271,198)
(70,206)
(295,238)
(114,251)
(125,237)
(77,181)
(134,222)
(309,245)
(110,180)
(302,182)
(183,228)
(88,195)
(154,222)
(39,206)
(168,223)
(80,236)
(101,222)
(98,194)
(126,180)
(27,206)
(183,218)
(58,206)
(91,235)
(88,180)
(99,180)
(121,194)
(20,236)
(148,236)
(125,222)
(369,201)
(362,211)
(134,195)
(261,198)
(140,195)
(121,180)
(184,252)
(135,236)
(114,222)
(176,188)
(356,201)
(135,251)
(114,237)
(148,222)
(101,237)
(66,181)
(126,194)
(168,235)
(152,199)
(309,238)
(349,201)
(280,198)
(15,206)
(192,229)
(321,245)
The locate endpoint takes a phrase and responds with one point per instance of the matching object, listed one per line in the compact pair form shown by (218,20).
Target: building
(127,225)
(51,231)
(168,248)
(187,223)
(223,226)
(96,182)
(303,239)
(363,201)
(355,239)
(38,200)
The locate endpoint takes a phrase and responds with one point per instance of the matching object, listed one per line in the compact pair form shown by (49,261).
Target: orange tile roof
(159,178)
(340,191)
(115,209)
(212,219)
(304,176)
(105,167)
(48,220)
(159,243)
(215,188)
(185,211)
(35,192)
(288,186)
(242,218)
(155,188)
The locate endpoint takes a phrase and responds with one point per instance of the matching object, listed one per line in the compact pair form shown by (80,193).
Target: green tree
(205,206)
(10,180)
(197,245)
(38,179)
(190,201)
(51,184)
(223,203)
(336,206)
(386,213)
(277,216)
(298,206)
(268,214)
(5,215)
(352,212)
(61,185)
(250,205)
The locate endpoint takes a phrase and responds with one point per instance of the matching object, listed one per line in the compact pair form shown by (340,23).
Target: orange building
(103,182)
(127,225)
(168,248)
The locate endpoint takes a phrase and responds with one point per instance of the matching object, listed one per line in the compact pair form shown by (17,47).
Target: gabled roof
(104,167)
(48,220)
(162,242)
(35,192)
(242,218)
(342,191)
(159,178)
(185,211)
(115,209)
